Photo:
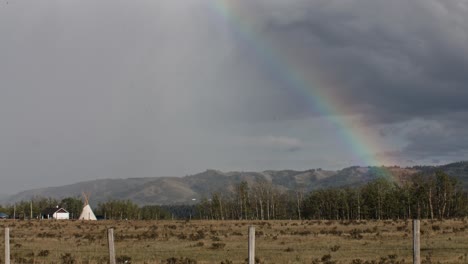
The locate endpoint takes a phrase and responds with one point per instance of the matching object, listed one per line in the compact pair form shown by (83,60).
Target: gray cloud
(281,143)
(150,88)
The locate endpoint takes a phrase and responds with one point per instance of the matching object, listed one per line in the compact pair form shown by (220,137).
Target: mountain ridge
(182,190)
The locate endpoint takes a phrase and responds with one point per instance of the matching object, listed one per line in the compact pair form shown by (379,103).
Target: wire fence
(74,242)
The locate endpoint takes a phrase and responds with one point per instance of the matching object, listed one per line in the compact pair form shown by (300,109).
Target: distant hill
(181,190)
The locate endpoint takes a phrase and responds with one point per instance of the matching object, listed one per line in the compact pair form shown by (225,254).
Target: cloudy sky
(116,89)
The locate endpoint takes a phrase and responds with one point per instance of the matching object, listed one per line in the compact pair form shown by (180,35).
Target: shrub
(326,257)
(335,248)
(43,253)
(355,233)
(197,236)
(180,261)
(124,259)
(218,245)
(289,249)
(303,232)
(67,258)
(182,236)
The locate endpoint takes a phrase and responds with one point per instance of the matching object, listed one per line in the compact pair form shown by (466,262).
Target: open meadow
(226,241)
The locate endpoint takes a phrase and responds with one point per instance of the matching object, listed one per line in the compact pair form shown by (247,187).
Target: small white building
(55,213)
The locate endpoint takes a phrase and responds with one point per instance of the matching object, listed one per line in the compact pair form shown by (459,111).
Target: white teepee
(87,213)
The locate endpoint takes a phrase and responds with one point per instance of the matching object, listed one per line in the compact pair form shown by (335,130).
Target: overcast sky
(117,89)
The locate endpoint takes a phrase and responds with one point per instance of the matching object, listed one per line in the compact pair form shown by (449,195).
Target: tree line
(112,209)
(33,208)
(424,196)
(435,196)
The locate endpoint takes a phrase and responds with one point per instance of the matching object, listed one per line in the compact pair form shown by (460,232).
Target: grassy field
(226,241)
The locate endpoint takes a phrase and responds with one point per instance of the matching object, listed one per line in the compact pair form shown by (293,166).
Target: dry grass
(226,241)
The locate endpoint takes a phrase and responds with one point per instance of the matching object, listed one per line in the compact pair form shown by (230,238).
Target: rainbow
(311,86)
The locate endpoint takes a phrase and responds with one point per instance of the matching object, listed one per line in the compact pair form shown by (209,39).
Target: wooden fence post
(416,242)
(7,245)
(251,245)
(110,239)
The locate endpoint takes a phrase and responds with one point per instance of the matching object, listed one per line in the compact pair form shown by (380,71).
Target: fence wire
(276,242)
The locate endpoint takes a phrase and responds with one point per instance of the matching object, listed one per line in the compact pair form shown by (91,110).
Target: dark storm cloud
(433,139)
(441,138)
(405,59)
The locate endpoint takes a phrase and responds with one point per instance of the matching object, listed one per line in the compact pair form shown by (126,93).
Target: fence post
(7,245)
(251,245)
(416,242)
(110,239)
